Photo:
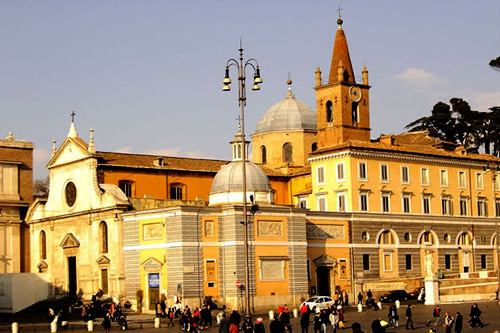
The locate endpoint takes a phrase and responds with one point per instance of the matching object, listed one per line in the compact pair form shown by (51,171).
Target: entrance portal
(323,274)
(72,276)
(153,289)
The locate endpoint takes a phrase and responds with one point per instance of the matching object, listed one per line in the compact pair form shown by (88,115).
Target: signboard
(154,280)
(238,284)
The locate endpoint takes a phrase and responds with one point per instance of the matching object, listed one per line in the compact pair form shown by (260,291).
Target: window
(272,269)
(366,262)
(426,204)
(363,201)
(210,272)
(362,175)
(365,236)
(104,280)
(446,205)
(303,202)
(287,152)
(384,173)
(447,261)
(176,192)
(447,238)
(103,237)
(407,237)
(320,174)
(424,173)
(387,262)
(340,172)
(43,245)
(263,154)
(479,181)
(309,269)
(481,207)
(464,239)
(341,202)
(329,113)
(427,238)
(496,182)
(406,203)
(385,198)
(405,174)
(443,176)
(9,181)
(497,207)
(126,187)
(209,228)
(314,146)
(483,261)
(463,206)
(355,112)
(408,262)
(462,180)
(386,237)
(322,203)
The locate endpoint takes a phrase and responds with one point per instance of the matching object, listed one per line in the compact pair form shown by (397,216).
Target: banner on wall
(154,280)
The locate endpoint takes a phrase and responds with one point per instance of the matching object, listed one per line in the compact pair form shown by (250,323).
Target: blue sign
(154,280)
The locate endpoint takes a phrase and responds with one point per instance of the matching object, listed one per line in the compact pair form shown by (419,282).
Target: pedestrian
(356,328)
(304,321)
(317,322)
(334,319)
(235,318)
(247,326)
(259,326)
(346,298)
(420,297)
(158,308)
(304,308)
(106,323)
(163,307)
(233,328)
(475,315)
(171,315)
(223,324)
(409,317)
(276,326)
(458,322)
(377,327)
(360,298)
(448,322)
(369,294)
(436,313)
(325,321)
(285,318)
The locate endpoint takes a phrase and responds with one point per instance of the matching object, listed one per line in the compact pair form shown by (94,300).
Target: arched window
(427,238)
(263,154)
(386,237)
(103,236)
(355,115)
(43,245)
(287,152)
(346,76)
(314,146)
(329,112)
(464,239)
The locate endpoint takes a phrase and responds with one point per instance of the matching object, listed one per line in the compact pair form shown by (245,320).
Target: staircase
(468,287)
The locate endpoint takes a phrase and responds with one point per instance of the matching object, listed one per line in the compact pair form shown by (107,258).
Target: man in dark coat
(277,326)
(409,317)
(459,322)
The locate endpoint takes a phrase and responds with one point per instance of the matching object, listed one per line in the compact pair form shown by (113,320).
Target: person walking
(436,313)
(223,324)
(106,323)
(324,321)
(334,320)
(304,321)
(393,316)
(458,322)
(276,326)
(247,326)
(448,322)
(285,318)
(317,322)
(475,315)
(259,326)
(360,298)
(409,318)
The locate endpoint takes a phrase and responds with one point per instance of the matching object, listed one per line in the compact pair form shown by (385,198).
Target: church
(332,210)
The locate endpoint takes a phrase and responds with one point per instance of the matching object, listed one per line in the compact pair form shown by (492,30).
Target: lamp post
(242,99)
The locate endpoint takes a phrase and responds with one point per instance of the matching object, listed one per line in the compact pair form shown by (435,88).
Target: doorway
(323,274)
(153,289)
(72,276)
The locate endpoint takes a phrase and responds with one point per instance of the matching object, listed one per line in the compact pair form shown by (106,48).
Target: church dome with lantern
(227,186)
(287,115)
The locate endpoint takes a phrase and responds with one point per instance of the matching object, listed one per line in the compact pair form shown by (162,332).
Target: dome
(227,186)
(289,114)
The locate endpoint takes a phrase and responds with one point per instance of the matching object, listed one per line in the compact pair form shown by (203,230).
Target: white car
(318,302)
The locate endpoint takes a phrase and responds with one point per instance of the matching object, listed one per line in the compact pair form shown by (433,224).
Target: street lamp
(242,99)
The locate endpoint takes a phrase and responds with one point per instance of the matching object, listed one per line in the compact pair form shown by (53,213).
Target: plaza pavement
(421,313)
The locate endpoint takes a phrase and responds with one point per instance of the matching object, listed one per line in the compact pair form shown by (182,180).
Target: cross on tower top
(73,114)
(239,120)
(339,10)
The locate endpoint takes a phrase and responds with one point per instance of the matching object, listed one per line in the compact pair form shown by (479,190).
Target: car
(400,295)
(318,302)
(414,293)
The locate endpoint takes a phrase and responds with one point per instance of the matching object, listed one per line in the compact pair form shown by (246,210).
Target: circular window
(365,236)
(407,237)
(447,238)
(70,193)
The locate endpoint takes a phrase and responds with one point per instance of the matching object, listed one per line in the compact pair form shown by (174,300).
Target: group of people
(370,303)
(457,321)
(192,321)
(113,313)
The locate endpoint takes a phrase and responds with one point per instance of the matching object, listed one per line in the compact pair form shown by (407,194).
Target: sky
(147,75)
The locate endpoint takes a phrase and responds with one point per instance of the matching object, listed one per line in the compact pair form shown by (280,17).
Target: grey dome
(289,114)
(229,178)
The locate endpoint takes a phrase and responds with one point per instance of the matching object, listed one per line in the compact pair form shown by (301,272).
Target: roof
(340,55)
(141,161)
(415,143)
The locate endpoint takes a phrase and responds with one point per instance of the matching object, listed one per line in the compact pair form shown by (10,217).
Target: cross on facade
(73,116)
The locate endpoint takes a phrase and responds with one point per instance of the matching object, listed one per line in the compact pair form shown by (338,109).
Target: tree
(495,64)
(41,187)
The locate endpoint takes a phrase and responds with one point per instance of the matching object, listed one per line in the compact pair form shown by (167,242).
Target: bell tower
(343,109)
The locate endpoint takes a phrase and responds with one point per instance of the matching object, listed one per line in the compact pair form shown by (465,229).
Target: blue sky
(147,74)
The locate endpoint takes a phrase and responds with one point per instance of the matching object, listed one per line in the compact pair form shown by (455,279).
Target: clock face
(355,93)
(70,193)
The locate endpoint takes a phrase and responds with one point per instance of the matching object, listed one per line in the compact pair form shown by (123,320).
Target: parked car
(414,293)
(394,295)
(318,302)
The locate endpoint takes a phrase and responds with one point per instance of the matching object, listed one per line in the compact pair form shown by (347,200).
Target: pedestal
(431,291)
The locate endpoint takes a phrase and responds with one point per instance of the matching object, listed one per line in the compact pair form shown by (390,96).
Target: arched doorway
(325,277)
